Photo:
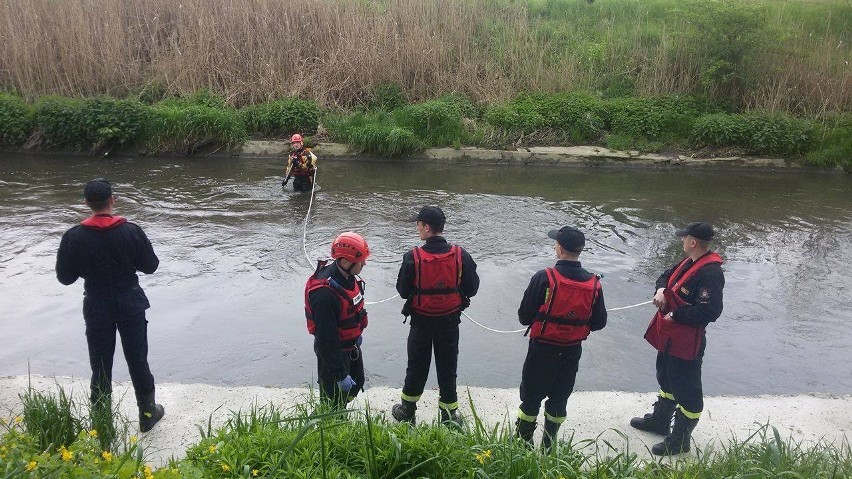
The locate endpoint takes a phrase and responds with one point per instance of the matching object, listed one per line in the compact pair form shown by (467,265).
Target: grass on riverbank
(790,56)
(390,127)
(311,442)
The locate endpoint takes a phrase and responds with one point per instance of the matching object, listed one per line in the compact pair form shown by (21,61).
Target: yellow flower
(19,420)
(133,439)
(147,472)
(211,449)
(93,433)
(107,456)
(482,456)
(66,454)
(226,467)
(254,472)
(32,465)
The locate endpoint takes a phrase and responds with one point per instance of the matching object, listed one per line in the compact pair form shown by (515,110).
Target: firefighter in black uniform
(437,280)
(301,165)
(688,298)
(106,251)
(334,308)
(561,306)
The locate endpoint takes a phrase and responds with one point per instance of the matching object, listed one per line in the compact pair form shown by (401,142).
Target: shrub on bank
(281,117)
(375,133)
(833,144)
(16,120)
(91,124)
(663,118)
(756,132)
(188,129)
(580,114)
(435,123)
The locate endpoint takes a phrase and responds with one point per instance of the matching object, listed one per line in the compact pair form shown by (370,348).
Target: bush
(187,129)
(100,123)
(377,134)
(654,118)
(16,120)
(834,144)
(579,114)
(757,132)
(281,117)
(386,97)
(435,123)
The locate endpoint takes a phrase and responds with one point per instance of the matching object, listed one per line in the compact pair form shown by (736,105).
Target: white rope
(382,301)
(307,215)
(524,329)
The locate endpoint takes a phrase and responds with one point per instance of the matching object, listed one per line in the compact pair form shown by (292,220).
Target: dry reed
(337,51)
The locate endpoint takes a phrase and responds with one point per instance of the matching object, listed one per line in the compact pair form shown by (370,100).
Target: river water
(227,301)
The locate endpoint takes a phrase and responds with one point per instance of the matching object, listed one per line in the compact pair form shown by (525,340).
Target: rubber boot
(451,418)
(404,411)
(525,430)
(549,438)
(678,441)
(149,411)
(659,421)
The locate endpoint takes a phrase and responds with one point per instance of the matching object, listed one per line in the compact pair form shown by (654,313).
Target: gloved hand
(346,384)
(284,183)
(359,340)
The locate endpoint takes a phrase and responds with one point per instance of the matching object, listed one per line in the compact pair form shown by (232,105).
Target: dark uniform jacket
(405,281)
(325,306)
(703,292)
(534,296)
(107,259)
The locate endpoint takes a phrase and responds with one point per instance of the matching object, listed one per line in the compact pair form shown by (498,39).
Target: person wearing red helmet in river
(334,309)
(301,165)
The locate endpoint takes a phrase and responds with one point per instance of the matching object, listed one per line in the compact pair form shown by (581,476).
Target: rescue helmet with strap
(296,138)
(350,246)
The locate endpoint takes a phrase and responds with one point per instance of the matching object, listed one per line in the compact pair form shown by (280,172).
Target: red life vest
(564,317)
(300,162)
(103,222)
(437,277)
(353,317)
(668,336)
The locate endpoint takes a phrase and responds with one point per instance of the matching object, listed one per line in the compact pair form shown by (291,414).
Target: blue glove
(359,340)
(346,384)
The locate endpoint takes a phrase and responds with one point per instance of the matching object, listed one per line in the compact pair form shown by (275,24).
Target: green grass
(312,441)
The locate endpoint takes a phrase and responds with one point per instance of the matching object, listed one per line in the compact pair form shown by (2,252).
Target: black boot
(451,418)
(404,411)
(149,411)
(678,441)
(549,438)
(659,421)
(525,430)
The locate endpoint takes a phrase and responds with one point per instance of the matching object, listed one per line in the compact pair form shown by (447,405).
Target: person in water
(106,251)
(301,165)
(688,298)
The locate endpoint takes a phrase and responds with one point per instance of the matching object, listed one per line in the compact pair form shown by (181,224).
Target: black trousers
(549,372)
(443,337)
(682,379)
(302,183)
(329,391)
(103,319)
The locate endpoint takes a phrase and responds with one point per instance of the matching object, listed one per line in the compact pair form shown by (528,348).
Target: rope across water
(310,265)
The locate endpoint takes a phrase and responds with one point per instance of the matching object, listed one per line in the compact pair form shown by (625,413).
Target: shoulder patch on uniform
(704,294)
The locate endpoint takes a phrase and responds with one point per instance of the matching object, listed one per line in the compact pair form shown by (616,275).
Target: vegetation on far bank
(389,126)
(792,56)
(53,438)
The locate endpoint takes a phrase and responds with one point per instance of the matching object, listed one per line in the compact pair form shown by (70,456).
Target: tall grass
(792,56)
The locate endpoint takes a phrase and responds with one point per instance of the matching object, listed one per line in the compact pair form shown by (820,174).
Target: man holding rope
(561,306)
(689,297)
(301,165)
(437,280)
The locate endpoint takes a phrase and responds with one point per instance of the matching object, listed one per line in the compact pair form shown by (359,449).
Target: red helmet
(351,247)
(295,138)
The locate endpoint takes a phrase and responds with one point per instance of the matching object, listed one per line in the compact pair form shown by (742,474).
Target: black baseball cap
(432,216)
(569,238)
(698,229)
(97,191)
